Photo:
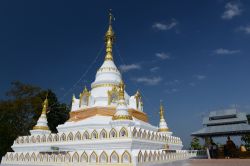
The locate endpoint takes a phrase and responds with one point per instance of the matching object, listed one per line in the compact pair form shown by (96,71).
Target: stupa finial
(109,38)
(45,104)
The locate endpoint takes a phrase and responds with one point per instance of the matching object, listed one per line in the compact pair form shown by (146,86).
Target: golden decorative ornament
(138,98)
(103,111)
(85,94)
(122,117)
(163,130)
(40,128)
(113,95)
(104,85)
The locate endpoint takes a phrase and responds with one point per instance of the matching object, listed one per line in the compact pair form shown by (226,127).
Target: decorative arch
(39,157)
(84,157)
(150,156)
(9,157)
(94,135)
(134,133)
(70,137)
(144,134)
(139,134)
(45,157)
(126,157)
(93,157)
(158,155)
(38,138)
(103,133)
(114,157)
(49,139)
(33,157)
(59,158)
(27,139)
(22,140)
(85,135)
(21,157)
(140,157)
(16,157)
(63,137)
(43,138)
(27,157)
(33,140)
(123,132)
(51,158)
(56,137)
(149,135)
(154,156)
(103,157)
(67,157)
(78,136)
(113,133)
(145,156)
(75,157)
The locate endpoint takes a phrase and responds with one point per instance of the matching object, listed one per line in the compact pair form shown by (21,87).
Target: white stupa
(106,127)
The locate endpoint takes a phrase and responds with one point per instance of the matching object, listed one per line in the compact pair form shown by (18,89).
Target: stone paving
(213,162)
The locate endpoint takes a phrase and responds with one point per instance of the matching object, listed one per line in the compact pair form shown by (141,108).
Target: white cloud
(154,69)
(126,68)
(149,81)
(231,10)
(223,51)
(163,27)
(200,77)
(174,82)
(173,90)
(245,29)
(192,84)
(163,55)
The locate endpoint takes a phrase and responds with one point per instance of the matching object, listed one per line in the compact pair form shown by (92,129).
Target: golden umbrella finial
(110,16)
(109,38)
(161,110)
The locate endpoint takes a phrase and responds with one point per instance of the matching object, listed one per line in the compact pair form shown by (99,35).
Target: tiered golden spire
(161,111)
(45,105)
(109,38)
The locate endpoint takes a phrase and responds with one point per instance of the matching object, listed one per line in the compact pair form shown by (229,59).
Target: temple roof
(223,130)
(224,122)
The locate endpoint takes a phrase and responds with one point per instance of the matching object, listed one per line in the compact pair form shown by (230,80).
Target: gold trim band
(163,130)
(104,85)
(122,117)
(40,128)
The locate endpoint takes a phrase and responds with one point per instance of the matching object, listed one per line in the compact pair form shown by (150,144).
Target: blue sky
(193,55)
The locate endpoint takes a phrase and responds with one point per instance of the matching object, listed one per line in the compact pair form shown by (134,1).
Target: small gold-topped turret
(109,38)
(42,121)
(163,127)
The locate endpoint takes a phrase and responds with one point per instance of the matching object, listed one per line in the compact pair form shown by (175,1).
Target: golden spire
(121,90)
(161,111)
(109,38)
(85,89)
(45,105)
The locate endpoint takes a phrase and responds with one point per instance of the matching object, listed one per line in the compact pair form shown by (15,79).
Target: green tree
(20,112)
(195,144)
(246,139)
